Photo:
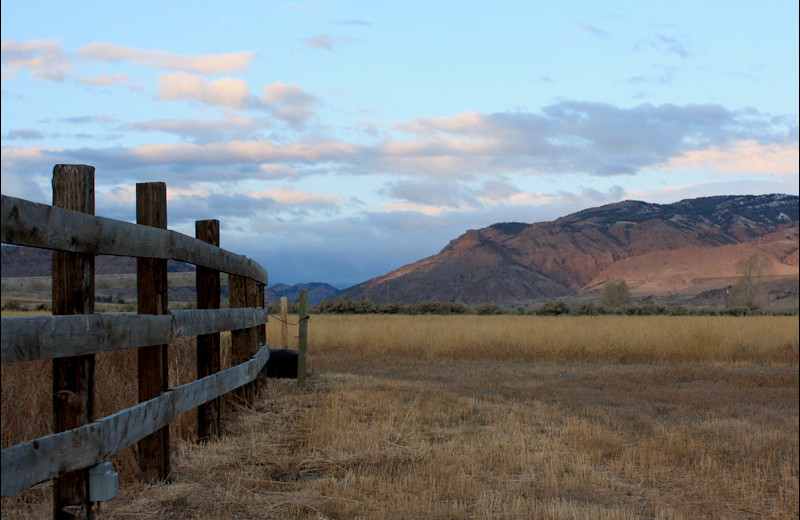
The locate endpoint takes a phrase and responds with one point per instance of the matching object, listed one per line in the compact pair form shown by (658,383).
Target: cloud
(328,43)
(453,154)
(227,92)
(220,63)
(292,93)
(229,204)
(106,80)
(441,194)
(592,30)
(436,198)
(663,78)
(205,130)
(250,206)
(572,137)
(28,158)
(23,134)
(292,197)
(85,120)
(469,123)
(233,152)
(43,57)
(289,102)
(277,171)
(663,44)
(591,195)
(745,157)
(24,187)
(286,102)
(674,193)
(352,22)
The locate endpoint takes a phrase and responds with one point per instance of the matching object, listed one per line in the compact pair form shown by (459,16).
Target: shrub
(486,309)
(553,309)
(12,305)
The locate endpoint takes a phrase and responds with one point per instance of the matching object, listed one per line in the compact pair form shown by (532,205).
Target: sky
(336,141)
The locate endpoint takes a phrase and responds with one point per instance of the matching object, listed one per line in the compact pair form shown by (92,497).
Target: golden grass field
(509,417)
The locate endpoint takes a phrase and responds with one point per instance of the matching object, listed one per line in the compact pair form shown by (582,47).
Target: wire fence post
(284,324)
(302,339)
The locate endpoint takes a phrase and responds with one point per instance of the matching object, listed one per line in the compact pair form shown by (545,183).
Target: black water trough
(282,364)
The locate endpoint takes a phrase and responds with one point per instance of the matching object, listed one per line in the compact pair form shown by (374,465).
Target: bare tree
(748,291)
(615,294)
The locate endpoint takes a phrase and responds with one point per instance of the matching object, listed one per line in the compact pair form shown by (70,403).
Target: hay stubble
(506,417)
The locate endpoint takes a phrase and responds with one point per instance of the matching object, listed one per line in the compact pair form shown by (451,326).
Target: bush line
(557,308)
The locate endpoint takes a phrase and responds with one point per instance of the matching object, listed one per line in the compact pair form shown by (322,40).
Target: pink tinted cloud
(462,123)
(258,151)
(220,63)
(43,57)
(227,91)
(105,80)
(287,93)
(742,157)
(298,197)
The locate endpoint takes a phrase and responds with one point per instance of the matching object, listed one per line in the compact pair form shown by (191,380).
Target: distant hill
(317,292)
(679,249)
(31,261)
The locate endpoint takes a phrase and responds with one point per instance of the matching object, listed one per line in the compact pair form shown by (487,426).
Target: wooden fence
(74,334)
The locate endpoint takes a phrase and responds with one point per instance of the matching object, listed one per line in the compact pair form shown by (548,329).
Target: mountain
(691,245)
(317,292)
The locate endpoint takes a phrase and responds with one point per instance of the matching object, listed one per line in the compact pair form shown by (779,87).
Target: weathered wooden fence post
(73,377)
(240,338)
(262,334)
(252,332)
(153,361)
(208,345)
(302,340)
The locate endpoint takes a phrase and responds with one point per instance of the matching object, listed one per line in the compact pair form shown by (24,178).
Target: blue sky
(336,141)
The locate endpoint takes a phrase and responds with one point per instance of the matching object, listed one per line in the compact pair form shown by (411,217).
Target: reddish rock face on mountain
(515,263)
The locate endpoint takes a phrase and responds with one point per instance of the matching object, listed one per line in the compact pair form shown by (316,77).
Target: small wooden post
(240,338)
(302,339)
(284,325)
(73,377)
(208,345)
(151,289)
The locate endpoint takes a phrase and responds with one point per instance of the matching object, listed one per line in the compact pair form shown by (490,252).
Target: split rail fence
(74,334)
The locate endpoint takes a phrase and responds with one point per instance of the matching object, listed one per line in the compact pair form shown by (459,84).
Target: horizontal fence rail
(29,463)
(44,284)
(32,224)
(47,337)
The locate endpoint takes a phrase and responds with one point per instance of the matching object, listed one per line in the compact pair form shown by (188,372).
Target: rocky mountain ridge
(516,263)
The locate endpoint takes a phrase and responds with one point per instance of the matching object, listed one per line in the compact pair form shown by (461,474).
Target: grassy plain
(484,417)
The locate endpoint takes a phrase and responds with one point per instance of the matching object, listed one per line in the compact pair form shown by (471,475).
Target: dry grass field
(509,417)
